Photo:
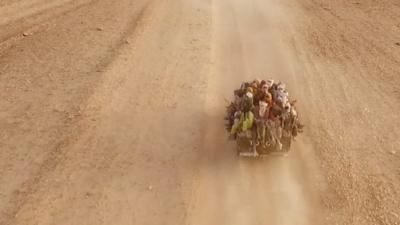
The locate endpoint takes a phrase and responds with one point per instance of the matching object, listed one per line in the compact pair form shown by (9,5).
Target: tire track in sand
(28,16)
(232,190)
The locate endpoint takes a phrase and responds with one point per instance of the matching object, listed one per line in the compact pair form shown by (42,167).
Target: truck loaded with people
(262,118)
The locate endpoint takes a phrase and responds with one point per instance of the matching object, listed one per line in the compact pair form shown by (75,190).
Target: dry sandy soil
(111,112)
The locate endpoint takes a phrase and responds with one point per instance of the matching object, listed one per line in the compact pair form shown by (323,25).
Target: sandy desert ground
(111,112)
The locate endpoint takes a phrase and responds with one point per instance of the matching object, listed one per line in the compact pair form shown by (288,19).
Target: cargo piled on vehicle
(262,118)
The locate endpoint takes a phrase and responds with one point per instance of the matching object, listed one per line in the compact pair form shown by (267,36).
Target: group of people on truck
(263,107)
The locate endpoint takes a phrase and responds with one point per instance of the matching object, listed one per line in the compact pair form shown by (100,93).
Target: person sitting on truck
(242,123)
(261,115)
(246,103)
(274,123)
(244,118)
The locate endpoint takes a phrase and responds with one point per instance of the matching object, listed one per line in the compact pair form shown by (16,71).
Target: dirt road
(111,111)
